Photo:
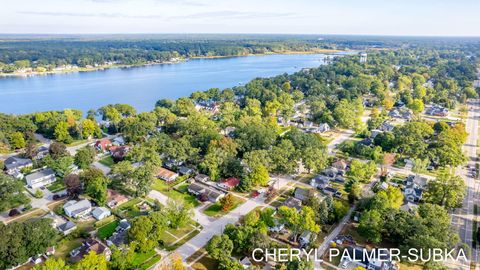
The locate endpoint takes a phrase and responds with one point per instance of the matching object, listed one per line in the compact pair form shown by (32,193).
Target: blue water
(141,86)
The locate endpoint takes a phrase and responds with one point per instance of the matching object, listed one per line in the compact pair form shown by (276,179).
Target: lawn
(107,230)
(56,186)
(173,238)
(66,246)
(205,263)
(140,258)
(107,161)
(215,210)
(167,190)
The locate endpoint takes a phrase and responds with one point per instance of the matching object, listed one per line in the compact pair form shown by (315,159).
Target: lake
(141,86)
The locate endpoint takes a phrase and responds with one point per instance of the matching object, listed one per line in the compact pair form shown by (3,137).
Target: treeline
(46,54)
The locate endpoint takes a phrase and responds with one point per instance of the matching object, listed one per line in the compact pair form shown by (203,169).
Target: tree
(361,172)
(259,176)
(348,114)
(220,247)
(95,184)
(92,261)
(11,193)
(178,213)
(62,134)
(20,241)
(57,150)
(17,140)
(227,202)
(283,157)
(391,198)
(355,192)
(73,184)
(417,106)
(141,232)
(85,157)
(121,259)
(53,264)
(447,190)
(62,165)
(88,128)
(370,226)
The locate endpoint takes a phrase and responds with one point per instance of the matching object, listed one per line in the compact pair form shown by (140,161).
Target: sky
(358,17)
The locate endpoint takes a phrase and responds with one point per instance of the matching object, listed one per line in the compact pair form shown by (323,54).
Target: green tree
(17,140)
(447,190)
(92,261)
(178,213)
(85,157)
(371,225)
(220,247)
(53,264)
(417,106)
(62,134)
(11,193)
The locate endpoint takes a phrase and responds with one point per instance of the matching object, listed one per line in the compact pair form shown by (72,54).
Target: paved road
(462,219)
(343,135)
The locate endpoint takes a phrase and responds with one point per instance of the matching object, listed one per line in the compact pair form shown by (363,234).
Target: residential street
(462,219)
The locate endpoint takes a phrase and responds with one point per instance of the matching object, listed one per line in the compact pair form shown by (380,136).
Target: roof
(100,211)
(75,207)
(115,197)
(201,177)
(293,203)
(231,182)
(103,143)
(15,162)
(185,170)
(40,174)
(197,187)
(340,164)
(66,226)
(164,173)
(301,193)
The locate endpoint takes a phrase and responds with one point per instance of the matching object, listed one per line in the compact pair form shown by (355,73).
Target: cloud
(176,2)
(101,15)
(229,14)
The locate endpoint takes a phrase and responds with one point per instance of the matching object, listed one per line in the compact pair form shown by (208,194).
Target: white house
(77,209)
(100,213)
(40,178)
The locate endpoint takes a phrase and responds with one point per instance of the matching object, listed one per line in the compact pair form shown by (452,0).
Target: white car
(345,264)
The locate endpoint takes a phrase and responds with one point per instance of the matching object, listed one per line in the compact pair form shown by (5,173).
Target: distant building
(89,246)
(114,198)
(67,227)
(363,57)
(103,145)
(292,202)
(229,183)
(40,178)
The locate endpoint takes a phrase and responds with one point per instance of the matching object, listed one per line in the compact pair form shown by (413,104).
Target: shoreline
(106,67)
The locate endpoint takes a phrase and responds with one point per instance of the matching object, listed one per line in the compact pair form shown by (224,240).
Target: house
(414,187)
(366,142)
(306,238)
(118,153)
(89,246)
(17,175)
(320,181)
(115,198)
(371,260)
(67,227)
(302,194)
(229,183)
(40,178)
(340,164)
(41,152)
(292,202)
(77,209)
(332,192)
(214,195)
(436,110)
(100,213)
(202,178)
(166,175)
(16,163)
(323,127)
(196,188)
(118,141)
(386,126)
(103,145)
(278,227)
(123,225)
(183,170)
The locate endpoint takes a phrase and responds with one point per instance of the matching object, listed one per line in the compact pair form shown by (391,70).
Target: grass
(33,213)
(215,210)
(167,190)
(107,161)
(107,230)
(66,246)
(153,260)
(206,263)
(56,186)
(130,203)
(140,258)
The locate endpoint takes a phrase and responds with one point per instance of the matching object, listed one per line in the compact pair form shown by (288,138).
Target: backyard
(107,230)
(168,190)
(107,161)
